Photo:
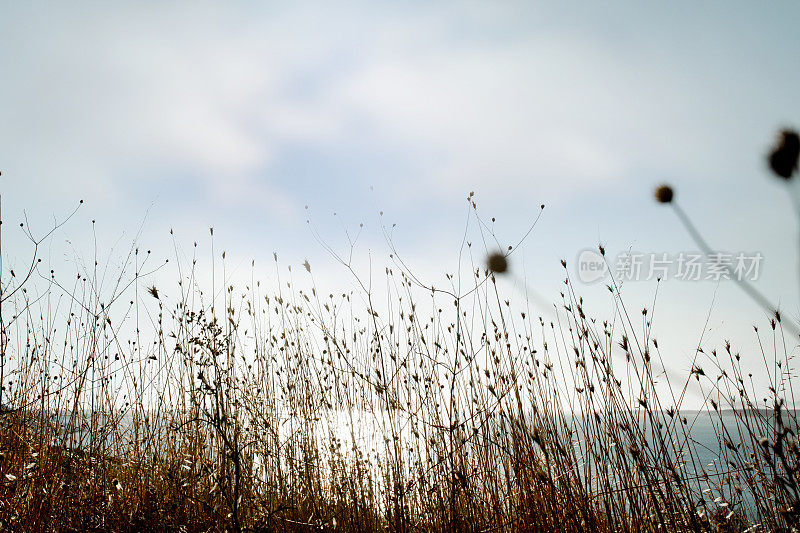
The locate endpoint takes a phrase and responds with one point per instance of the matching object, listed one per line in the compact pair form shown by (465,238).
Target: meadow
(395,406)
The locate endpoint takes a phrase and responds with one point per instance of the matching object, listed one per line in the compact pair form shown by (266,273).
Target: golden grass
(297,411)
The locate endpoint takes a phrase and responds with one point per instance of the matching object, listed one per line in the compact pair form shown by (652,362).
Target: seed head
(664,194)
(497,263)
(784,155)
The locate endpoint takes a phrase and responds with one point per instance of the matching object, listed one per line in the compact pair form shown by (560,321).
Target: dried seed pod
(783,157)
(497,263)
(664,194)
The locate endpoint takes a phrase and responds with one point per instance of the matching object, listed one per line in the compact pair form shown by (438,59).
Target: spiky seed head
(664,194)
(497,263)
(153,292)
(784,155)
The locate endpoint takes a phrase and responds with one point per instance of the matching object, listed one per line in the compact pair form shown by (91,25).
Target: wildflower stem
(796,205)
(751,291)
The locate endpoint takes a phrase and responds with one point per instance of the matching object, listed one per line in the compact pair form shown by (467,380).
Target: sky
(255,117)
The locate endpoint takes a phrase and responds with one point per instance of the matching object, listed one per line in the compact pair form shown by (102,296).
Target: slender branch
(751,291)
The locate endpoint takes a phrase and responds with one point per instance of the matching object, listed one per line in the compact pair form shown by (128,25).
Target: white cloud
(195,92)
(543,113)
(218,94)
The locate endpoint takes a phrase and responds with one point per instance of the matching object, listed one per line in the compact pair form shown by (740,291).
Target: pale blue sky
(238,116)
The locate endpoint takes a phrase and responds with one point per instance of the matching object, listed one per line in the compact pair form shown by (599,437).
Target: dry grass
(128,410)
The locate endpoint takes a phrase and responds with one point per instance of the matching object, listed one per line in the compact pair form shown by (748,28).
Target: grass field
(297,410)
